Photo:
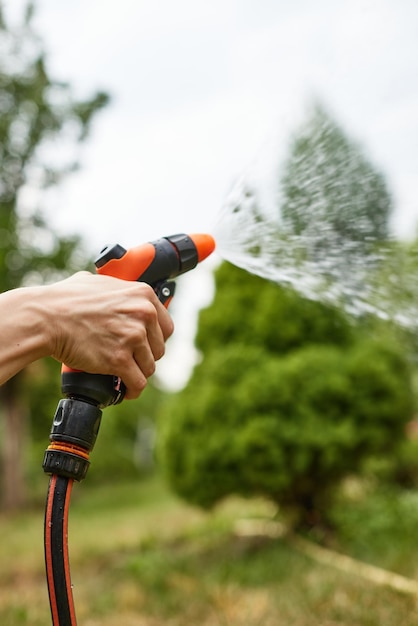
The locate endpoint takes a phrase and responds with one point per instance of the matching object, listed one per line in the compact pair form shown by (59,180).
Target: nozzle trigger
(165,291)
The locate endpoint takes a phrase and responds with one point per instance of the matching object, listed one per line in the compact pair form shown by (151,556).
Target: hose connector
(73,435)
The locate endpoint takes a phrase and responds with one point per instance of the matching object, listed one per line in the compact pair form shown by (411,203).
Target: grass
(140,557)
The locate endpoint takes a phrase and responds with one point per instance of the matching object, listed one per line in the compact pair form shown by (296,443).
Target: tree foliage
(39,115)
(286,402)
(330,186)
(291,396)
(252,311)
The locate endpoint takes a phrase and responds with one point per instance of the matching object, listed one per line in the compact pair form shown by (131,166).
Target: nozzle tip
(205,245)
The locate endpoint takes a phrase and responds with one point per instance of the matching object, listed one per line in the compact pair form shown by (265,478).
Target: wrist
(35,320)
(25,322)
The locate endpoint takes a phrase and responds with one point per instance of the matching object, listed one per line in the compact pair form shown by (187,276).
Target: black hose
(56,551)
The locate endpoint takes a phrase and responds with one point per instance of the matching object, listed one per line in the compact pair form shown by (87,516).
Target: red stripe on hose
(48,552)
(66,556)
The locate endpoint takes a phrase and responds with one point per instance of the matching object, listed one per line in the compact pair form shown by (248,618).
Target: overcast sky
(201,89)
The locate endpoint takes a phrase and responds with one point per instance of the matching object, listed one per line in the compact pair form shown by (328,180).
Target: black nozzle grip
(99,389)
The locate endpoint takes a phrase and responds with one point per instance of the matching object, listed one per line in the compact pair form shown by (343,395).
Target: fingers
(165,323)
(157,325)
(135,381)
(150,345)
(142,365)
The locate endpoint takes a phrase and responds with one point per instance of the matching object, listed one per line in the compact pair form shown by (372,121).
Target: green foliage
(41,390)
(378,525)
(329,185)
(154,557)
(36,111)
(251,311)
(288,428)
(125,445)
(395,292)
(290,397)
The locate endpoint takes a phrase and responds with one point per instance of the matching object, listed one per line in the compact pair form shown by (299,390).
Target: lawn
(140,557)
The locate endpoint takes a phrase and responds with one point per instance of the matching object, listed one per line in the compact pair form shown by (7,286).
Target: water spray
(77,419)
(361,276)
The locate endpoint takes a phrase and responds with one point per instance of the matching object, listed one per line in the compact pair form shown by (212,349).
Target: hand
(104,325)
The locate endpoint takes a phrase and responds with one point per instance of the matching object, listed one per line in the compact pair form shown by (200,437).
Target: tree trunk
(13,493)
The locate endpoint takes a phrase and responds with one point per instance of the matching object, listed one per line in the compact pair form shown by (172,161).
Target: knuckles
(147,313)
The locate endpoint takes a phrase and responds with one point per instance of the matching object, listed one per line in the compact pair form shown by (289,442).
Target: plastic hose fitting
(73,435)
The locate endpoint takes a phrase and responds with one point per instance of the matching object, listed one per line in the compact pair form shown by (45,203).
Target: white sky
(202,89)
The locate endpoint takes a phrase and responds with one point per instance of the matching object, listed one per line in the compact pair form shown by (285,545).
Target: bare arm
(94,323)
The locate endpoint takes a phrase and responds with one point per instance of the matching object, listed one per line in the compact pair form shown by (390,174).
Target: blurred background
(127,123)
(199,94)
(197,91)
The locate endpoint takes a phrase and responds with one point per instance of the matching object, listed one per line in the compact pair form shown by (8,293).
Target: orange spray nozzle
(205,245)
(159,260)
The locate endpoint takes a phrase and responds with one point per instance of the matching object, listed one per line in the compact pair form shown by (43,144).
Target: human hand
(104,325)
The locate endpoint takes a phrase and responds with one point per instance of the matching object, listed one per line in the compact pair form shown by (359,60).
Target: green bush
(251,311)
(289,428)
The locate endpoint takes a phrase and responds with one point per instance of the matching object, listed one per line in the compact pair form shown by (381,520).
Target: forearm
(24,337)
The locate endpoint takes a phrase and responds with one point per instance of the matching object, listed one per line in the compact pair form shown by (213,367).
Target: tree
(291,396)
(288,400)
(330,188)
(335,210)
(36,112)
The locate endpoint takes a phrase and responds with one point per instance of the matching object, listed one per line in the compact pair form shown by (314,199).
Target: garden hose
(56,551)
